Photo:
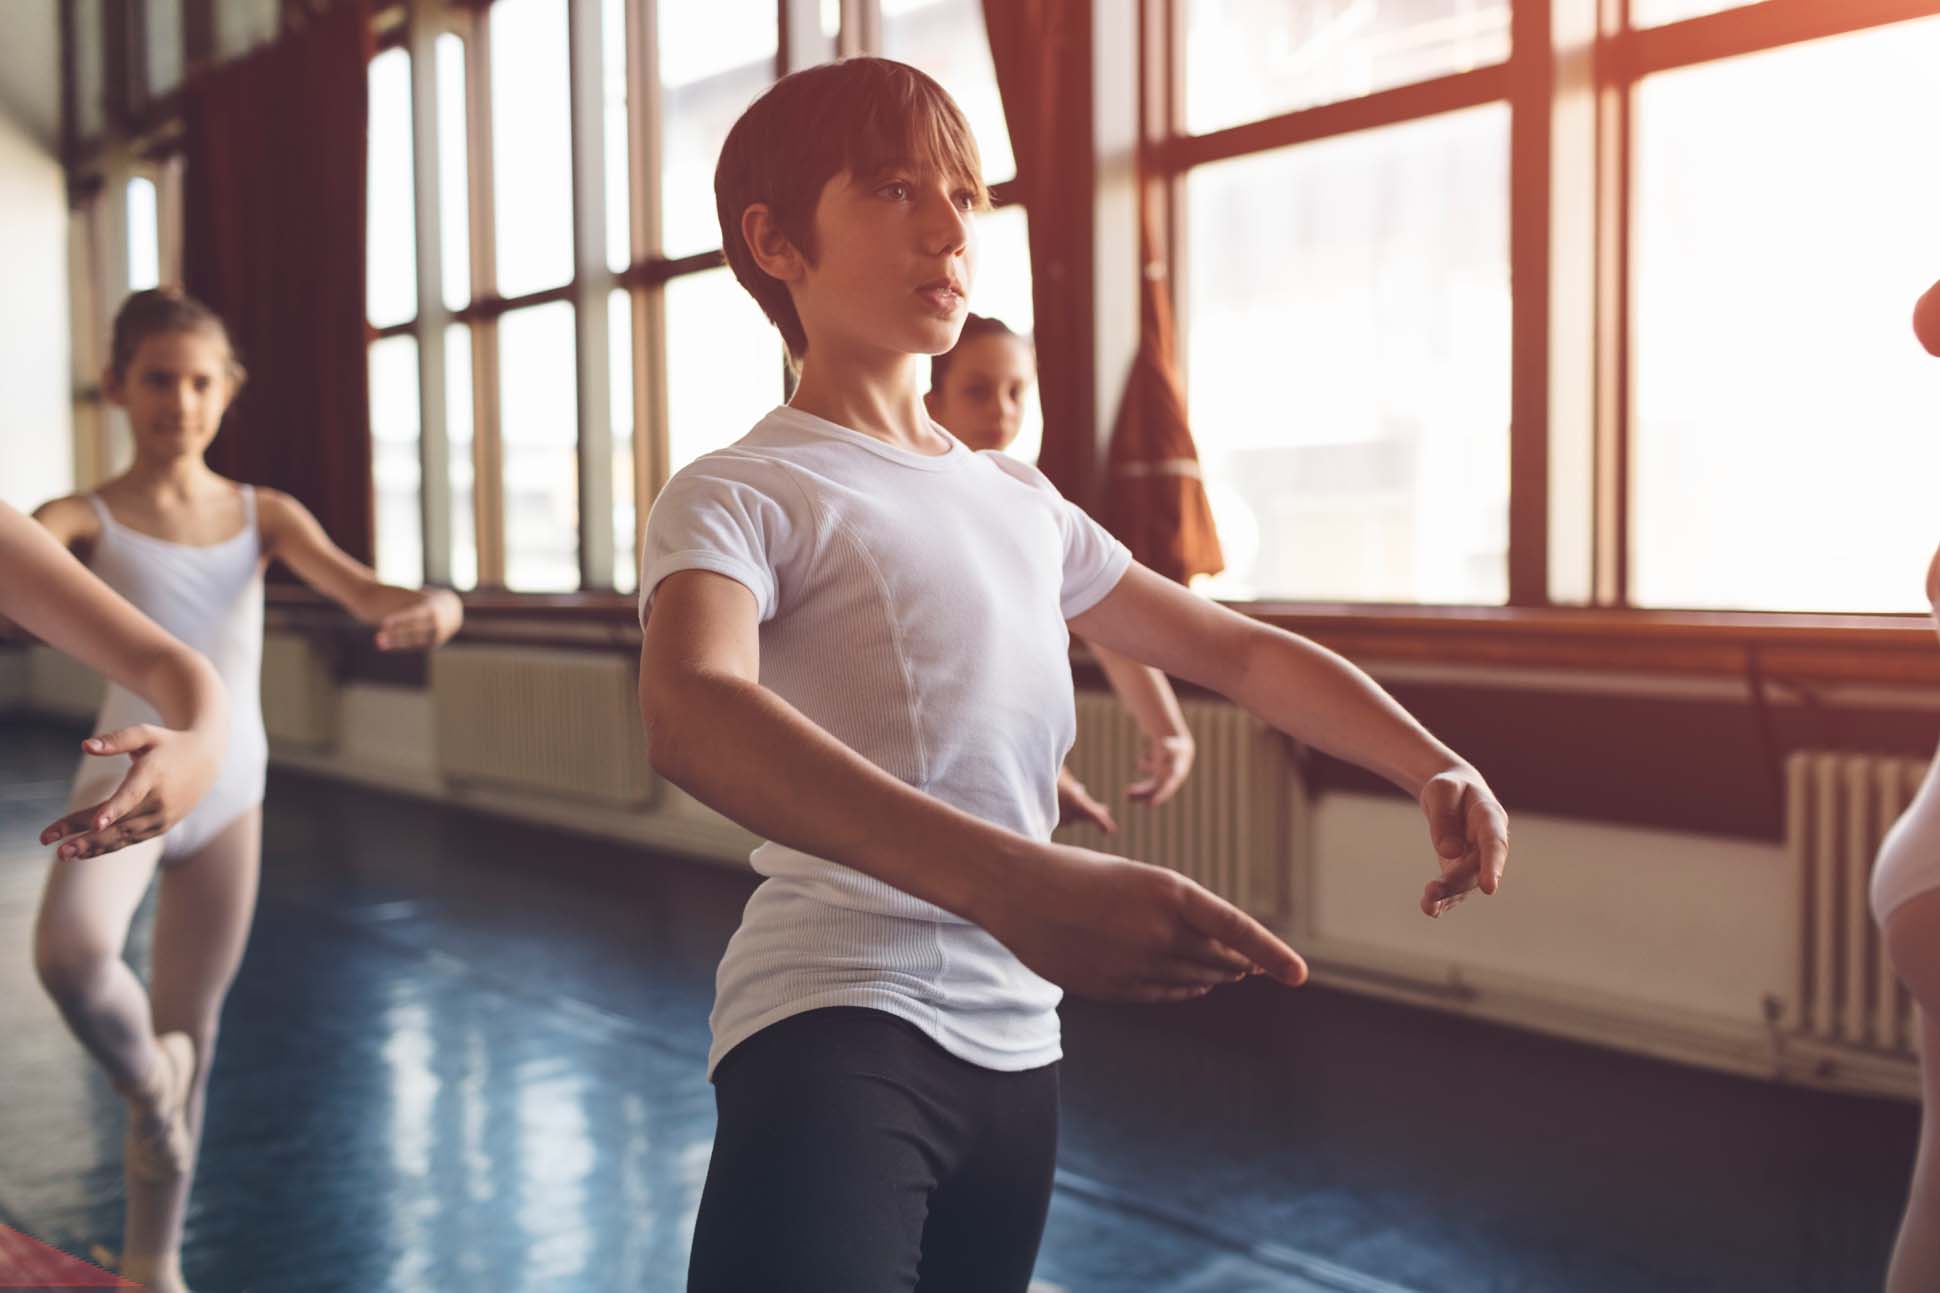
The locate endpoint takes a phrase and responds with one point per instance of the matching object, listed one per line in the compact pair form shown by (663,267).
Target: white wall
(37,433)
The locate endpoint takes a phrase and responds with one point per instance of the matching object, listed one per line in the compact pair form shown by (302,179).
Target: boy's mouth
(944,294)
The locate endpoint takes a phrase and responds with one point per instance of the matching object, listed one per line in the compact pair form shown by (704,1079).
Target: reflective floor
(465,1054)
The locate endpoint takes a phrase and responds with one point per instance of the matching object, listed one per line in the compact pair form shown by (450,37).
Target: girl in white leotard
(1906,902)
(188,548)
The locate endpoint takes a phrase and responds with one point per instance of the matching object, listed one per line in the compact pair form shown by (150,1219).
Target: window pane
(144,235)
(714,60)
(1248,59)
(532,173)
(1003,290)
(619,237)
(724,364)
(1349,336)
(1783,451)
(164,46)
(946,39)
(458,434)
(1654,13)
(396,470)
(539,435)
(391,270)
(454,171)
(619,329)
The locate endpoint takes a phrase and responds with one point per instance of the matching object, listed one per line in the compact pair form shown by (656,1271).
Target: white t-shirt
(914,607)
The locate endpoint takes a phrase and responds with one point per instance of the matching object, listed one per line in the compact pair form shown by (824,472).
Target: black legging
(855,1155)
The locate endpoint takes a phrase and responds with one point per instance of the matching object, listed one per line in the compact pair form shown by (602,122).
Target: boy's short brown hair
(858,115)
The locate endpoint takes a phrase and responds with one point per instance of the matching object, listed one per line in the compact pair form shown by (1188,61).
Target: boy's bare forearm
(1318,697)
(749,755)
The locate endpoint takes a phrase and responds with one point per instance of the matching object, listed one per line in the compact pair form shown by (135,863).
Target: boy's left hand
(1471,837)
(428,622)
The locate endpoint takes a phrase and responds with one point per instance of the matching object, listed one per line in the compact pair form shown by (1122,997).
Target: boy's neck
(880,398)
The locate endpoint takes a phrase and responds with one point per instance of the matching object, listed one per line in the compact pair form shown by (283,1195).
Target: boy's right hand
(1107,927)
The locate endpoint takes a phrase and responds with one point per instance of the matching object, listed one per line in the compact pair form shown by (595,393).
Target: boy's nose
(948,228)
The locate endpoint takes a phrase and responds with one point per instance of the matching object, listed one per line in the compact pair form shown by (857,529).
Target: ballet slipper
(157,1146)
(158,1276)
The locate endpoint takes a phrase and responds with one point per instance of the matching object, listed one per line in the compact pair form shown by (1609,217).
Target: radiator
(1237,825)
(556,722)
(1838,809)
(299,692)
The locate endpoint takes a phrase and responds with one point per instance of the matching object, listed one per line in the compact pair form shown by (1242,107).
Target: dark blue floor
(464,1054)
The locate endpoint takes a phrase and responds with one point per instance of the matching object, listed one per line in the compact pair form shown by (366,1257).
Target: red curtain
(273,214)
(1155,497)
(1041,50)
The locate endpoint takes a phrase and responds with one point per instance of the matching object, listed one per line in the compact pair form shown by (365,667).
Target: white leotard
(1909,859)
(209,596)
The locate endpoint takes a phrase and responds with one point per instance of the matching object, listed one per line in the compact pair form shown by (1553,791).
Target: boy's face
(175,391)
(981,398)
(895,259)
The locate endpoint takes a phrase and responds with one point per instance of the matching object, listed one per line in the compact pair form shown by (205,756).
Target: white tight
(202,922)
(1913,939)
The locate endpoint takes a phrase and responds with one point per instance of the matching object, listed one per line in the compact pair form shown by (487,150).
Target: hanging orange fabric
(1155,497)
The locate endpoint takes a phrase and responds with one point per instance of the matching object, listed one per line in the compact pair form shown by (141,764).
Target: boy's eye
(201,384)
(896,191)
(966,200)
(978,392)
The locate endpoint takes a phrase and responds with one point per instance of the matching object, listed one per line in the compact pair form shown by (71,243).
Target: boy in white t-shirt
(856,646)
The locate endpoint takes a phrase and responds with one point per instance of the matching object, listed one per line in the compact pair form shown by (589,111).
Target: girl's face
(981,400)
(175,391)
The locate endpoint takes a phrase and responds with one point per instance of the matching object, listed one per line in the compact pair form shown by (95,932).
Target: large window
(572,380)
(1428,277)
(1369,275)
(1784,426)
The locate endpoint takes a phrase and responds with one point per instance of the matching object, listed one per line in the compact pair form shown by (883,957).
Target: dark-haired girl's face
(981,397)
(175,391)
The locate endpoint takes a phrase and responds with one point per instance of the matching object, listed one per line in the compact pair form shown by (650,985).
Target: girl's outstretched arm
(62,602)
(1169,749)
(406,619)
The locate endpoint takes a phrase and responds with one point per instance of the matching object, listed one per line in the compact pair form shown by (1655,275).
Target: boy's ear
(777,257)
(111,389)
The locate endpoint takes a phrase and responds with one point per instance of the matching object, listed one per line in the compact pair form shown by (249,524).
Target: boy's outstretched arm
(1315,696)
(1097,925)
(1169,749)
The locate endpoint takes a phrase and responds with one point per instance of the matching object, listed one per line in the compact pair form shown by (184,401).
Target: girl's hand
(1075,803)
(171,771)
(430,621)
(1163,768)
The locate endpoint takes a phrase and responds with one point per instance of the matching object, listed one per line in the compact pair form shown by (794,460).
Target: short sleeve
(1094,559)
(721,515)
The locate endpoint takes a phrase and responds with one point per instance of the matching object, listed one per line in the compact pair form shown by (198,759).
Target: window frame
(1568,81)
